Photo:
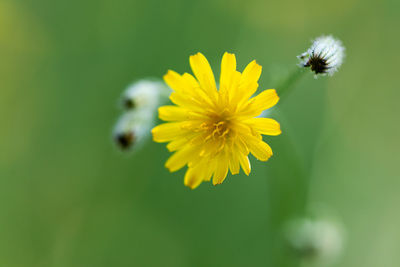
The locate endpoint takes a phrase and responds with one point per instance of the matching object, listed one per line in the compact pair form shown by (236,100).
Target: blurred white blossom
(133,128)
(144,94)
(140,101)
(316,241)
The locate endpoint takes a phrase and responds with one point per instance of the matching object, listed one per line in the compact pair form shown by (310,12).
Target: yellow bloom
(213,131)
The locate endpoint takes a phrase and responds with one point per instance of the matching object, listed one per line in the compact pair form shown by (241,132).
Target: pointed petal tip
(198,54)
(229,54)
(166,165)
(275,92)
(215,183)
(267,158)
(196,59)
(169,72)
(247,171)
(192,186)
(254,64)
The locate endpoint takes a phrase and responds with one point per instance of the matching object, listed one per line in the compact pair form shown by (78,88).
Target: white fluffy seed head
(143,94)
(325,55)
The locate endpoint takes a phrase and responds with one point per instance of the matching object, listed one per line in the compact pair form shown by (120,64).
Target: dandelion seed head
(325,56)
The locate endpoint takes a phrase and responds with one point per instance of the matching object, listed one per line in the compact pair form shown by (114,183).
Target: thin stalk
(295,203)
(287,86)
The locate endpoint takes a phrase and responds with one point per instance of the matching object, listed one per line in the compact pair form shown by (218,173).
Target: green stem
(286,87)
(293,198)
(289,83)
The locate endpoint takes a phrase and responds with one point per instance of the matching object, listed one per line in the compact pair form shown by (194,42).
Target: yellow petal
(203,72)
(167,131)
(259,148)
(172,113)
(234,164)
(265,126)
(251,73)
(192,178)
(180,142)
(248,89)
(221,169)
(180,158)
(243,93)
(259,103)
(186,101)
(241,146)
(195,90)
(190,80)
(234,92)
(209,168)
(245,163)
(228,69)
(186,86)
(174,81)
(198,173)
(248,83)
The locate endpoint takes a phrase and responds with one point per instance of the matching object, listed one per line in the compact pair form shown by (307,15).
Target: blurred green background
(68,197)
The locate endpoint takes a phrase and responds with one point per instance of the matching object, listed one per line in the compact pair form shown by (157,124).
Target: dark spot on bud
(125,140)
(317,64)
(129,103)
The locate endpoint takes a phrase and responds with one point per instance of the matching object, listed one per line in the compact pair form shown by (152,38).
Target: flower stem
(287,86)
(291,190)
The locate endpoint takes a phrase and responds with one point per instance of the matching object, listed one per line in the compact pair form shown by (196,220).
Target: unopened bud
(144,94)
(140,100)
(132,129)
(325,56)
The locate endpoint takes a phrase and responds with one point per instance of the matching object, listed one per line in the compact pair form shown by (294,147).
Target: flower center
(217,128)
(221,129)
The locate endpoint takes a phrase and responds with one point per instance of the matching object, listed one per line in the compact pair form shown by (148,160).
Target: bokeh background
(69,197)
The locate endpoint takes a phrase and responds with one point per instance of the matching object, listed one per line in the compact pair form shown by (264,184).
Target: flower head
(325,55)
(213,130)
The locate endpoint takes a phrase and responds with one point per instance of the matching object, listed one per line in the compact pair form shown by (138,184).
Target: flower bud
(132,129)
(140,100)
(325,56)
(143,94)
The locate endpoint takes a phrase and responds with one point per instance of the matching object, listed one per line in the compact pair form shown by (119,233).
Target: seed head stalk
(288,85)
(323,58)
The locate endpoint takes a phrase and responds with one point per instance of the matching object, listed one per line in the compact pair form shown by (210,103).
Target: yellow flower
(211,130)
